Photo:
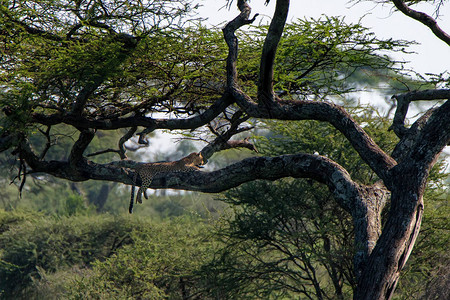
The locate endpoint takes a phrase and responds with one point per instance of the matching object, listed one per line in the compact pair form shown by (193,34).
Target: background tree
(106,65)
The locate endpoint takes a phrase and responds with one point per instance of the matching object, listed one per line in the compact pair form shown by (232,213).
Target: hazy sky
(432,55)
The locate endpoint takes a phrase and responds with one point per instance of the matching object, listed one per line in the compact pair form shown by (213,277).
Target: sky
(432,54)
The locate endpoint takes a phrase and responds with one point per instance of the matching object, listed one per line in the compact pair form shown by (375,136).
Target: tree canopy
(138,67)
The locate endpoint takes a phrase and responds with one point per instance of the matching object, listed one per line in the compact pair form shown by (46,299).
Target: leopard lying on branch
(192,162)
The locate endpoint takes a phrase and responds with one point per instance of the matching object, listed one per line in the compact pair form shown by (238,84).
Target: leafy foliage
(51,244)
(98,257)
(115,65)
(161,264)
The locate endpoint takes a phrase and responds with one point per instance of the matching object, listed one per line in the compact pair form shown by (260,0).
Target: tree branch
(76,154)
(373,155)
(424,19)
(369,151)
(432,138)
(123,139)
(315,167)
(265,83)
(47,144)
(223,142)
(132,121)
(240,144)
(232,41)
(121,151)
(403,101)
(409,138)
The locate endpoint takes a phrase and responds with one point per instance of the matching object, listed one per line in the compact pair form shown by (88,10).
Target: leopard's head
(195,159)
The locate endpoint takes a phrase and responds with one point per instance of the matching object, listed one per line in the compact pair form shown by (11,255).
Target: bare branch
(47,144)
(240,144)
(373,155)
(424,19)
(84,94)
(315,167)
(123,139)
(22,171)
(103,152)
(409,137)
(403,101)
(369,151)
(431,138)
(222,141)
(121,151)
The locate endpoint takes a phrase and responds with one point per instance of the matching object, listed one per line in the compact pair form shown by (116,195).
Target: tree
(290,238)
(109,65)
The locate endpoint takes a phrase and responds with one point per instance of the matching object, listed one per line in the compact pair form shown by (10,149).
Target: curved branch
(431,139)
(232,42)
(76,154)
(409,137)
(369,151)
(403,101)
(223,142)
(424,19)
(61,169)
(265,84)
(123,139)
(240,144)
(394,246)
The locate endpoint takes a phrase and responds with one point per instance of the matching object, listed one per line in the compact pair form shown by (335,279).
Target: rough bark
(381,274)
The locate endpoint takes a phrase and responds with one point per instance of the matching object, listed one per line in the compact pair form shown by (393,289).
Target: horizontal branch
(131,121)
(310,166)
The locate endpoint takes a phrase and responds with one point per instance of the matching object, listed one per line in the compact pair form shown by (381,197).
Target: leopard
(147,171)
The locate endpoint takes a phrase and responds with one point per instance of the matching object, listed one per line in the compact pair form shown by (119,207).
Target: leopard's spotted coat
(147,171)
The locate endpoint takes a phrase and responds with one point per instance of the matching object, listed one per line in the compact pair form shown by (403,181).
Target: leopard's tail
(130,208)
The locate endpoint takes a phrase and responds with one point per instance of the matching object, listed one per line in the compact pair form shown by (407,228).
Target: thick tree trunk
(366,214)
(381,273)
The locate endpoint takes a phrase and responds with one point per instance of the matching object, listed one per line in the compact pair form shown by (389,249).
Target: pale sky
(433,55)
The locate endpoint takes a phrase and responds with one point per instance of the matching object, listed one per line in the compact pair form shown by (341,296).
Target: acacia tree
(106,65)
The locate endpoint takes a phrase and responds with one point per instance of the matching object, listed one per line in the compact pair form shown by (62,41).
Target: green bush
(162,263)
(100,257)
(36,243)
